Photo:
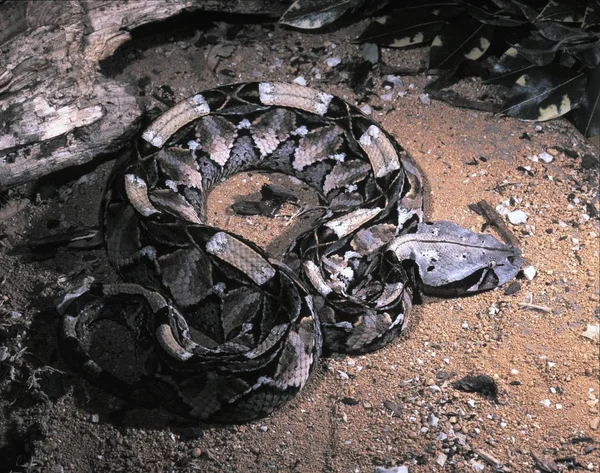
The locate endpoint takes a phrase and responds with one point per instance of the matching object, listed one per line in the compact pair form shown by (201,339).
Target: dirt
(396,407)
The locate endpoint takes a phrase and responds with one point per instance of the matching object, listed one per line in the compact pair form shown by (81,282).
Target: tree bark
(56,108)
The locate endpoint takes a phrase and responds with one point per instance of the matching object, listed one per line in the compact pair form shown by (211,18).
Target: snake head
(450,260)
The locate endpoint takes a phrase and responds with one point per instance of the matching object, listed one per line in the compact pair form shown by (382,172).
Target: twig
(491,459)
(498,187)
(493,218)
(541,308)
(303,211)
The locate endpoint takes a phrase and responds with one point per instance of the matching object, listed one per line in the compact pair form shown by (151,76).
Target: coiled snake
(230,333)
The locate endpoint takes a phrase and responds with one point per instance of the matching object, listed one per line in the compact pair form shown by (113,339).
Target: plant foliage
(546,52)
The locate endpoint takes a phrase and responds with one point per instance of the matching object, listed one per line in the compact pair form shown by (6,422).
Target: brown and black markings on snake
(233,333)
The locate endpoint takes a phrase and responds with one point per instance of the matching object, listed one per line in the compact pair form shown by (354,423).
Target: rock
(333,61)
(592,331)
(196,452)
(512,288)
(350,401)
(394,469)
(545,157)
(517,217)
(441,459)
(395,408)
(425,99)
(371,53)
(529,272)
(594,423)
(482,384)
(366,109)
(394,80)
(432,421)
(299,80)
(589,161)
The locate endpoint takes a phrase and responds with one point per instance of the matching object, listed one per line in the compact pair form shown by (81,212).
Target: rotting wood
(56,108)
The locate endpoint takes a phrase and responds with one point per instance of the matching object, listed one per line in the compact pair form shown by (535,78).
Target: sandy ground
(393,408)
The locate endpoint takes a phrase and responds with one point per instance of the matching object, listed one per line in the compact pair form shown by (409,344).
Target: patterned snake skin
(228,333)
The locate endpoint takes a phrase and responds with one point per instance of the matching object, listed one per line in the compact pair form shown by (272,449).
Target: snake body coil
(230,333)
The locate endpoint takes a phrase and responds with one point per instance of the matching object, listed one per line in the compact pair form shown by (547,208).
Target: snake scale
(227,332)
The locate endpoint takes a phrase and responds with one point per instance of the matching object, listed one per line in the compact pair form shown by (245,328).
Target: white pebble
(529,272)
(514,371)
(366,109)
(299,80)
(471,402)
(425,99)
(517,217)
(546,157)
(502,210)
(333,61)
(395,80)
(546,403)
(432,421)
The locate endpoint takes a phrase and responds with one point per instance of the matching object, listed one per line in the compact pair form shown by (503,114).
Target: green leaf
(313,14)
(459,40)
(509,68)
(544,93)
(587,117)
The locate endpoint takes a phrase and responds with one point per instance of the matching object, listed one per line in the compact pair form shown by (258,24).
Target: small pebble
(371,53)
(441,459)
(196,452)
(546,157)
(333,61)
(594,423)
(343,375)
(394,469)
(425,99)
(433,421)
(517,217)
(529,272)
(592,331)
(394,80)
(299,80)
(366,109)
(512,288)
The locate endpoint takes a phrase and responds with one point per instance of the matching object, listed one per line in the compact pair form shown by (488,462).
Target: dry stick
(493,218)
(491,459)
(541,308)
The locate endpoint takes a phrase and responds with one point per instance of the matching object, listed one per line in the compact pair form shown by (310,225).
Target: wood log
(56,108)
